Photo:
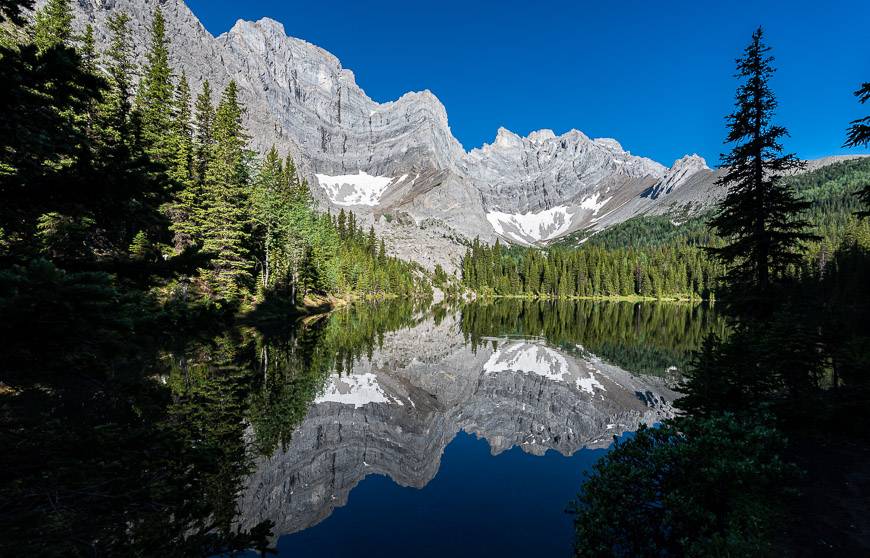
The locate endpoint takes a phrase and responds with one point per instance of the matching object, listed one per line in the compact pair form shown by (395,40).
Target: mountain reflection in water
(532,376)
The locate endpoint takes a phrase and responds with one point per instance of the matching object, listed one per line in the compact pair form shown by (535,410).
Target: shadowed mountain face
(395,412)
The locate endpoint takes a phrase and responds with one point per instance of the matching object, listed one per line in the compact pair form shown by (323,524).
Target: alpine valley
(396,164)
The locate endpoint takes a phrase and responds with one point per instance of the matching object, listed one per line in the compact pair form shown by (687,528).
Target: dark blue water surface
(512,504)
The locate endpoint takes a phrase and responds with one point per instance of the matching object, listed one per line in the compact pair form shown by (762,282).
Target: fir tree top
(53,25)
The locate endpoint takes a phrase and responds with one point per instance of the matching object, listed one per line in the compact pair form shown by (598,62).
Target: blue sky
(655,75)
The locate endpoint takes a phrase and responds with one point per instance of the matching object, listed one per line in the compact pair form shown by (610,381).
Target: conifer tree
(759,217)
(303,193)
(372,242)
(340,224)
(226,218)
(52,25)
(271,203)
(88,50)
(291,178)
(203,122)
(118,61)
(185,212)
(859,135)
(154,101)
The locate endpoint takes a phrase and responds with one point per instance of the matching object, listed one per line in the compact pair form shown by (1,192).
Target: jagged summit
(242,26)
(542,135)
(609,142)
(693,161)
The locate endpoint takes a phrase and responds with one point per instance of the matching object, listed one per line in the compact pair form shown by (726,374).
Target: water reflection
(384,390)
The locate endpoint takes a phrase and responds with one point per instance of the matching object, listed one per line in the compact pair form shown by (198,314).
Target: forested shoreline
(656,258)
(558,273)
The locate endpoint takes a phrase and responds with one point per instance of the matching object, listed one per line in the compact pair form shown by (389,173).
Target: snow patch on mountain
(355,189)
(354,389)
(591,203)
(533,226)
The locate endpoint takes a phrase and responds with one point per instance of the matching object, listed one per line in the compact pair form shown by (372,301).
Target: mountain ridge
(397,164)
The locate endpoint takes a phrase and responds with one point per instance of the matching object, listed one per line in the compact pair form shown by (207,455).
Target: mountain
(396,164)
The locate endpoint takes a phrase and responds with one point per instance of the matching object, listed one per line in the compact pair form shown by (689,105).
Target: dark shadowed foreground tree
(704,487)
(759,219)
(859,135)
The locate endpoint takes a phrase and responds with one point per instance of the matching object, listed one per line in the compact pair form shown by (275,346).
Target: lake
(388,429)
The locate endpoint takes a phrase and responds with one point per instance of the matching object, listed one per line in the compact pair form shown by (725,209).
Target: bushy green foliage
(690,487)
(647,232)
(226,215)
(52,25)
(301,251)
(154,99)
(858,134)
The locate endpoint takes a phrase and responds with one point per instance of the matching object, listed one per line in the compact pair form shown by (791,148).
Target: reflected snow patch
(355,389)
(533,358)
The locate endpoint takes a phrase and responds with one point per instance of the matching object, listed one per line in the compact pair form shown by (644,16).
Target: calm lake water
(389,430)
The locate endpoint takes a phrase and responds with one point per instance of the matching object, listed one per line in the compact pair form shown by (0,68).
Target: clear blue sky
(655,75)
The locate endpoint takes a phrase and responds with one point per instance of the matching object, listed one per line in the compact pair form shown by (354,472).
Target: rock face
(397,164)
(395,413)
(539,188)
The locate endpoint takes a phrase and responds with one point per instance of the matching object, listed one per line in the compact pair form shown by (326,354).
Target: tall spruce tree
(52,25)
(203,122)
(88,50)
(859,135)
(271,204)
(760,215)
(185,211)
(118,62)
(226,226)
(154,101)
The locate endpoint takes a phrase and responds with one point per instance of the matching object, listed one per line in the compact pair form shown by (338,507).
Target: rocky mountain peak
(691,163)
(541,136)
(609,143)
(267,26)
(505,139)
(683,171)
